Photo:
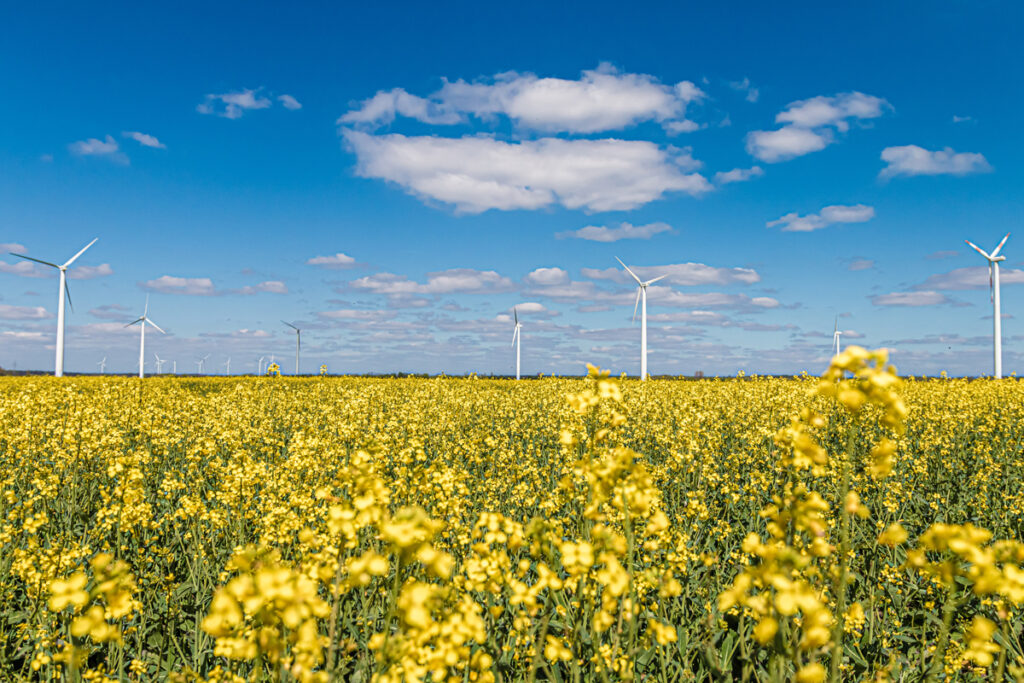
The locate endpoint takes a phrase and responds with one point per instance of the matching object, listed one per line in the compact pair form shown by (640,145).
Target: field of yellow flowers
(853,526)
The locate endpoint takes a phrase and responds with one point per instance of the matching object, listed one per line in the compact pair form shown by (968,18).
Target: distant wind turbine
(200,362)
(298,343)
(517,338)
(159,364)
(103,365)
(993,282)
(227,366)
(143,321)
(835,338)
(259,366)
(62,291)
(641,295)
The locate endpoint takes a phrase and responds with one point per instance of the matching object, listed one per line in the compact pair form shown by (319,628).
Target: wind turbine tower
(144,320)
(835,338)
(62,291)
(517,338)
(103,365)
(997,324)
(641,295)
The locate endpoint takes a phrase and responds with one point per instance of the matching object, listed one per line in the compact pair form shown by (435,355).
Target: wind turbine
(144,320)
(174,367)
(298,338)
(227,366)
(259,366)
(62,291)
(641,294)
(159,364)
(517,338)
(835,338)
(199,363)
(993,282)
(103,365)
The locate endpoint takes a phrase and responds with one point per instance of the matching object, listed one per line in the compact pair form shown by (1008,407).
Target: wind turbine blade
(514,335)
(996,251)
(72,259)
(637,303)
(155,325)
(629,271)
(660,277)
(67,293)
(978,249)
(138,320)
(145,311)
(515,314)
(206,356)
(991,284)
(45,263)
(290,325)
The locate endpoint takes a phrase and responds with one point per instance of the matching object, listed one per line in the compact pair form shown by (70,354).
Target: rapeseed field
(853,526)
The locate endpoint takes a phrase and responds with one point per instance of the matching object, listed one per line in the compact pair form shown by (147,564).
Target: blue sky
(395,179)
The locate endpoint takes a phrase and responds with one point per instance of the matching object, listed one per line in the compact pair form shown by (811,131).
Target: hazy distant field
(473,530)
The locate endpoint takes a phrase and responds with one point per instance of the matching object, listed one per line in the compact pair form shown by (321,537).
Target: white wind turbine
(298,343)
(143,321)
(641,294)
(993,282)
(259,365)
(835,338)
(159,364)
(103,365)
(517,338)
(62,291)
(227,366)
(200,362)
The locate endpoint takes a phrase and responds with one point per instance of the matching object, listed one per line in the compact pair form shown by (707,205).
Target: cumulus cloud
(685,274)
(110,312)
(455,280)
(8,312)
(94,147)
(738,175)
(358,315)
(793,222)
(600,100)
(922,298)
(189,286)
(24,269)
(624,231)
(90,272)
(810,125)
(861,264)
(973,277)
(289,102)
(750,93)
(12,248)
(144,139)
(268,287)
(911,160)
(335,261)
(534,308)
(233,104)
(478,173)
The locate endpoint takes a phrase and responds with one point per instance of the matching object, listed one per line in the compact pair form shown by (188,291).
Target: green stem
(844,549)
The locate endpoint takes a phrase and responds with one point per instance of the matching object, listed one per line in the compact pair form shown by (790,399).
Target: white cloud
(189,286)
(600,100)
(973,277)
(962,119)
(625,231)
(479,173)
(336,261)
(534,308)
(233,104)
(455,280)
(861,264)
(738,175)
(107,147)
(269,287)
(785,143)
(356,315)
(684,274)
(810,125)
(12,248)
(793,222)
(926,298)
(911,160)
(8,312)
(90,272)
(289,102)
(749,91)
(546,277)
(144,139)
(24,269)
